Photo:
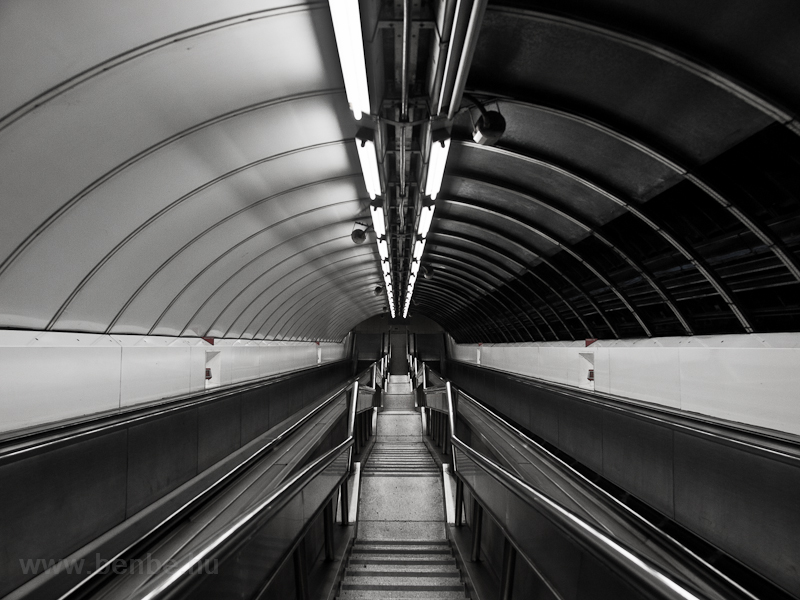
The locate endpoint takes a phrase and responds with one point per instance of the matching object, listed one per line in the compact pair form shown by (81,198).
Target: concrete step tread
(417,568)
(411,560)
(369,546)
(399,577)
(399,594)
(410,578)
(401,551)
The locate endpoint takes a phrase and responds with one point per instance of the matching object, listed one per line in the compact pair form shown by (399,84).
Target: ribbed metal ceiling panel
(178,169)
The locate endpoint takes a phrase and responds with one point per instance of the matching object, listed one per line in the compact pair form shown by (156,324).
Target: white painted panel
(71,29)
(561,365)
(40,385)
(755,386)
(244,362)
(332,352)
(602,372)
(515,359)
(649,374)
(197,364)
(177,171)
(151,373)
(464,352)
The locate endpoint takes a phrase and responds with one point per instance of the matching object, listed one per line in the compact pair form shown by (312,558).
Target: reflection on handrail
(170,583)
(642,571)
(230,475)
(625,561)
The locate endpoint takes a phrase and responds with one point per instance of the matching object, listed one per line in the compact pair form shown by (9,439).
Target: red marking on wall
(209,340)
(590,341)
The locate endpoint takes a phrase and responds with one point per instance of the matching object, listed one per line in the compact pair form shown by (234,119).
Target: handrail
(642,571)
(27,441)
(226,540)
(625,560)
(777,444)
(232,473)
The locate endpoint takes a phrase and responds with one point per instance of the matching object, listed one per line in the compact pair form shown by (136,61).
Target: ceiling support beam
(488,296)
(487,233)
(457,296)
(301,297)
(680,166)
(743,91)
(476,276)
(671,238)
(643,272)
(296,240)
(436,243)
(623,298)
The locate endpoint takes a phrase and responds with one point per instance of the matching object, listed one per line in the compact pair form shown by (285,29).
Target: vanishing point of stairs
(402,569)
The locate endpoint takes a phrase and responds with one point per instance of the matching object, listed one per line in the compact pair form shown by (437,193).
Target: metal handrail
(622,559)
(32,441)
(231,474)
(226,540)
(636,568)
(780,445)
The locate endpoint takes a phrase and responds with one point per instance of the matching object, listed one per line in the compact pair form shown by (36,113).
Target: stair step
(414,546)
(399,577)
(398,580)
(401,551)
(347,594)
(439,560)
(404,568)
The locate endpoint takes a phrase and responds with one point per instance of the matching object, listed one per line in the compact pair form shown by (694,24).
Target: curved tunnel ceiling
(647,183)
(187,169)
(179,169)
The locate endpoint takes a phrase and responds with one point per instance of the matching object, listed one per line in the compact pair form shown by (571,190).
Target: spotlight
(427,272)
(489,128)
(359,234)
(378,290)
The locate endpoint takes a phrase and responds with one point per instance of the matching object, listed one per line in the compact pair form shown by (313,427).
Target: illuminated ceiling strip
(346,18)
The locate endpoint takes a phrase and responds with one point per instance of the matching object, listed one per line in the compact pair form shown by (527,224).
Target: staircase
(402,569)
(401,550)
(400,460)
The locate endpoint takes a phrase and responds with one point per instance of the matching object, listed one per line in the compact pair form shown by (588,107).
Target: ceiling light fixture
(365,144)
(378,222)
(425,218)
(346,18)
(436,163)
(383,249)
(419,248)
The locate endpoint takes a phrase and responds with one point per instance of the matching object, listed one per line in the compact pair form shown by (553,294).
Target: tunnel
(355,299)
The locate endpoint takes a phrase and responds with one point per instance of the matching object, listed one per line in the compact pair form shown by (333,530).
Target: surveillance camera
(489,128)
(359,236)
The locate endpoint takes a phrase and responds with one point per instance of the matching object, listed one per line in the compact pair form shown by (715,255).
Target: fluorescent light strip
(425,218)
(385,267)
(383,249)
(346,18)
(419,248)
(378,223)
(436,164)
(369,166)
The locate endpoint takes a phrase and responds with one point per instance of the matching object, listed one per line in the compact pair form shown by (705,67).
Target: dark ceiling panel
(529,57)
(570,139)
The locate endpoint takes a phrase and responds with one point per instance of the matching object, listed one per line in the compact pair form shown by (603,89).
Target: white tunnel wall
(751,379)
(51,376)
